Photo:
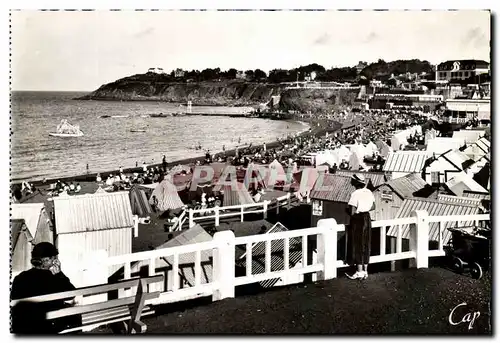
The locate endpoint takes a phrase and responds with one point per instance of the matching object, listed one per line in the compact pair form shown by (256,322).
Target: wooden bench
(129,309)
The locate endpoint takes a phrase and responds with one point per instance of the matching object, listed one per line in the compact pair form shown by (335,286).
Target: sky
(81,50)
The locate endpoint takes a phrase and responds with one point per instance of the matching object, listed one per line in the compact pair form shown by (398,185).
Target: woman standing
(360,204)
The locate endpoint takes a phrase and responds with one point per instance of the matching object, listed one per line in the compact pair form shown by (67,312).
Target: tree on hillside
(231,74)
(280,75)
(210,74)
(338,75)
(259,75)
(249,74)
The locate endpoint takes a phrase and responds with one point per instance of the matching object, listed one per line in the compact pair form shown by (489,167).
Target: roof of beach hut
(139,201)
(236,195)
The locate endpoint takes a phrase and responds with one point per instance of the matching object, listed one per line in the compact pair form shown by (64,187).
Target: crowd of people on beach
(359,128)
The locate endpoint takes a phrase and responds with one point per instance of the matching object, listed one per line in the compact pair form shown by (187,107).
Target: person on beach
(360,204)
(164,163)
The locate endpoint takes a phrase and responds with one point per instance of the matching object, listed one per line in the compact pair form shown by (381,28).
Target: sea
(108,143)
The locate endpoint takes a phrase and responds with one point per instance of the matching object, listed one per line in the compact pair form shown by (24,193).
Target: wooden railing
(324,264)
(217,213)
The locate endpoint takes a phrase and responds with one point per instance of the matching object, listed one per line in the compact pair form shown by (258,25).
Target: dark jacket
(30,317)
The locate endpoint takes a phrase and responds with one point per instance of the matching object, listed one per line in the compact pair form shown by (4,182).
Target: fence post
(327,249)
(191,220)
(265,209)
(217,219)
(223,265)
(136,226)
(419,239)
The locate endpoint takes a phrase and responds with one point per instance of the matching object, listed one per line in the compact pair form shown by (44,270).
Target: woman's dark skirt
(359,235)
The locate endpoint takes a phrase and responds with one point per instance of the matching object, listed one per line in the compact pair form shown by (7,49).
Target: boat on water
(65,129)
(121,116)
(161,115)
(138,130)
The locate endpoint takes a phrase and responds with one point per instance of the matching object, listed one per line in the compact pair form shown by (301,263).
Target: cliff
(155,87)
(317,100)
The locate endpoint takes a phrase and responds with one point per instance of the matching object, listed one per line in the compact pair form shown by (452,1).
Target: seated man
(45,277)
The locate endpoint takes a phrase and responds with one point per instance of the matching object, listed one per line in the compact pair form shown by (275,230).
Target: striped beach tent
(165,196)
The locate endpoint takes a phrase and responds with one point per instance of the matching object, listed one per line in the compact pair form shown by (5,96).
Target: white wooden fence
(222,246)
(217,213)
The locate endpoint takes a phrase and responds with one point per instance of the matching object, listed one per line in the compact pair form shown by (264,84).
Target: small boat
(161,115)
(65,129)
(106,116)
(119,116)
(138,130)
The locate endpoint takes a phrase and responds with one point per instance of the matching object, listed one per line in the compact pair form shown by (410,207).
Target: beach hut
(21,246)
(469,136)
(398,140)
(446,166)
(276,174)
(390,195)
(401,163)
(383,149)
(305,179)
(328,157)
(37,222)
(441,145)
(179,169)
(253,177)
(434,207)
(462,182)
(371,148)
(236,194)
(84,224)
(330,195)
(165,196)
(343,153)
(139,202)
(478,149)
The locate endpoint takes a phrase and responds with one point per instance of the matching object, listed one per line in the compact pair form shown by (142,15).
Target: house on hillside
(360,66)
(445,166)
(390,195)
(100,222)
(179,73)
(401,163)
(30,225)
(156,70)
